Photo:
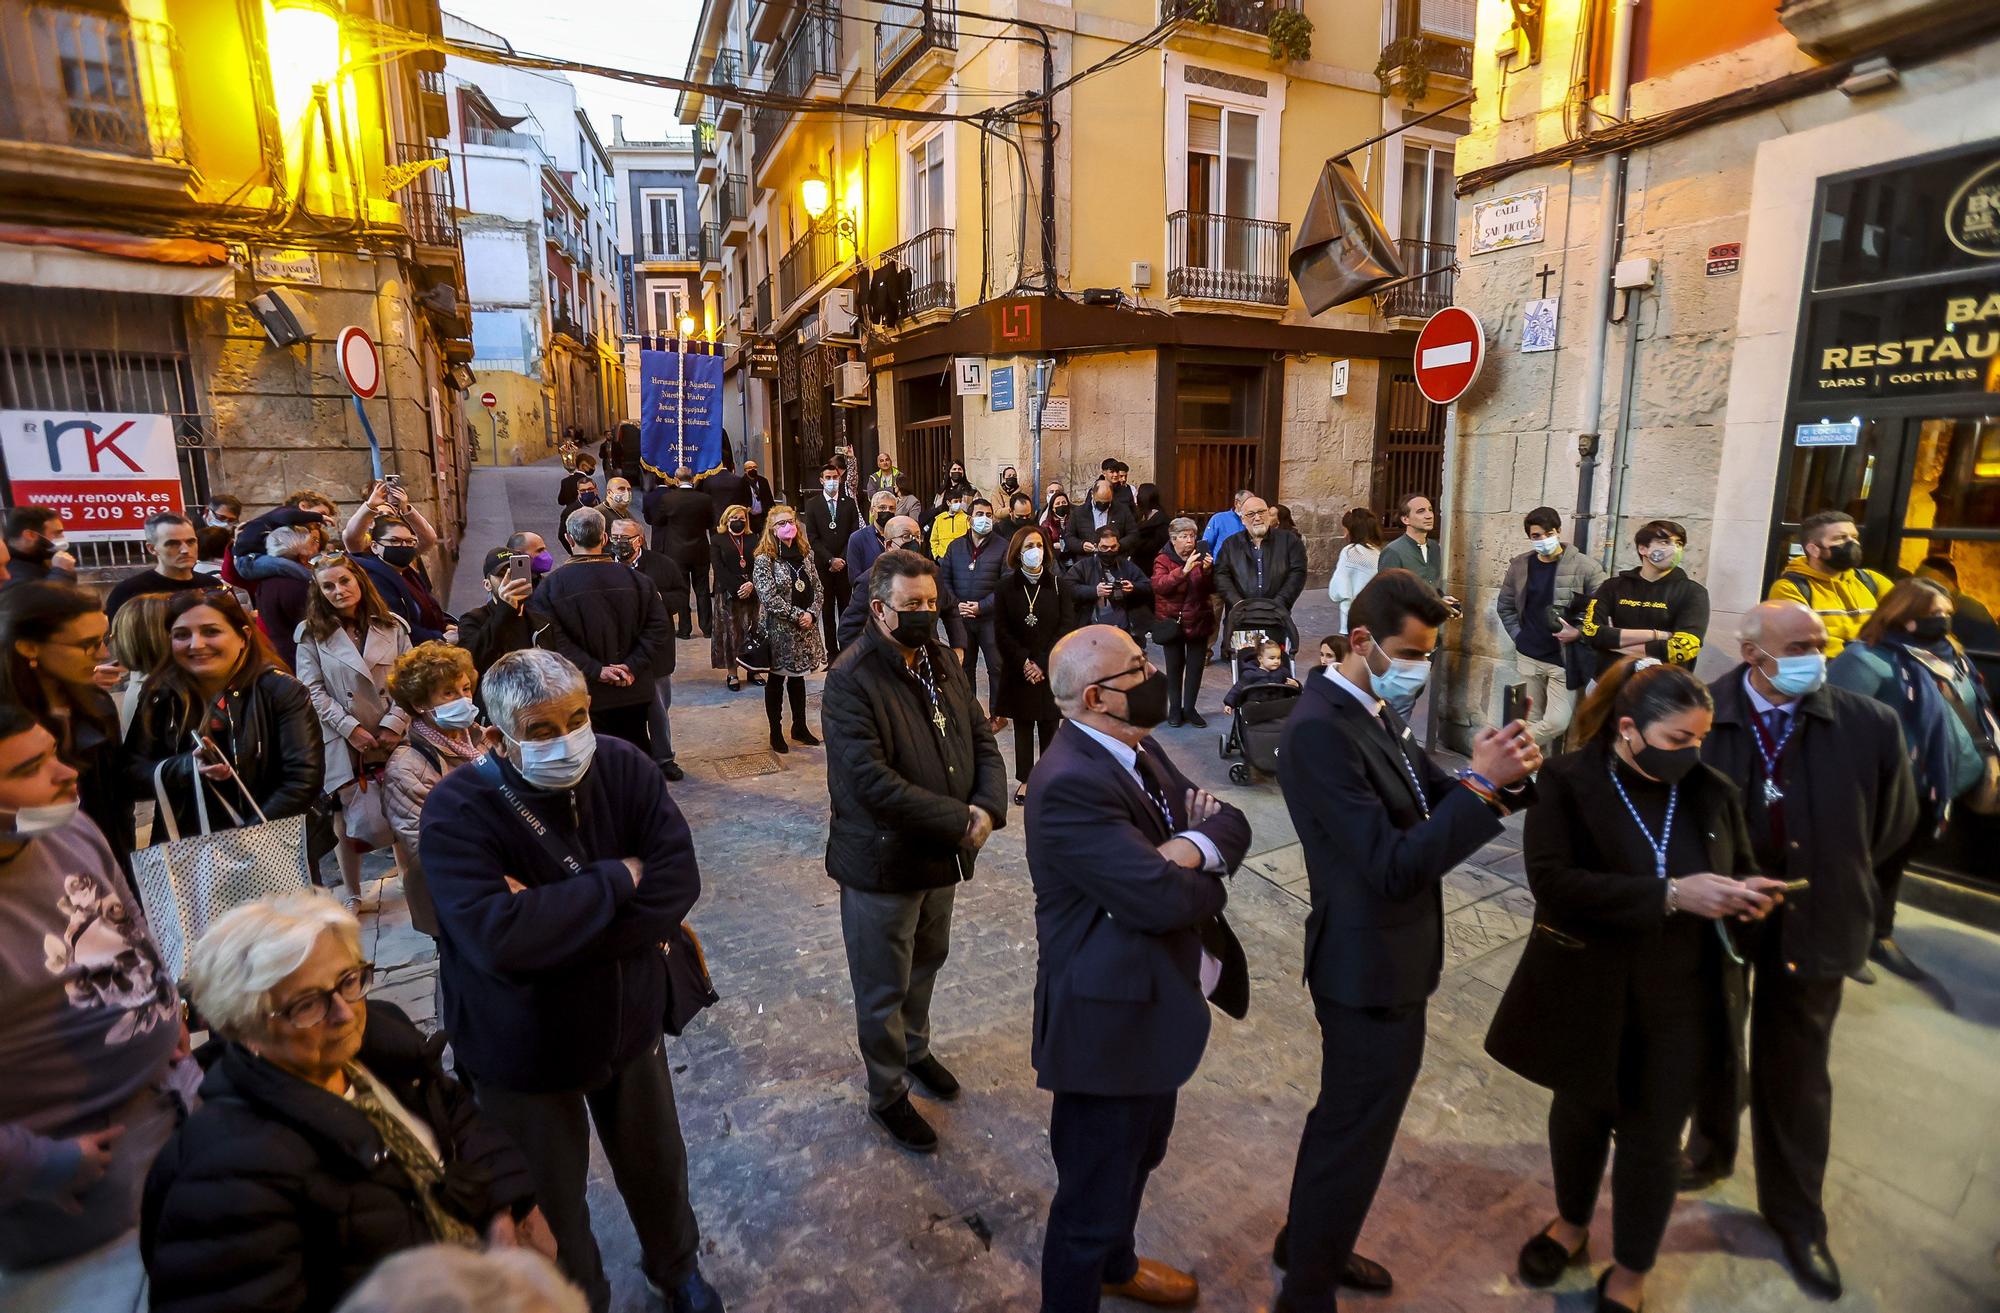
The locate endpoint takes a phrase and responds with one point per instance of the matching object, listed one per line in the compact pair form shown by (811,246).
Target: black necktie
(1158,787)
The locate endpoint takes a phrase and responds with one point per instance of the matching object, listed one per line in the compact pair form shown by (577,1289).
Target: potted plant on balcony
(1291,36)
(1403,67)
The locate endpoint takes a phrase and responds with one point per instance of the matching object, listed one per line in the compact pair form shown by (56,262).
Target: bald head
(1781,628)
(901,529)
(1085,658)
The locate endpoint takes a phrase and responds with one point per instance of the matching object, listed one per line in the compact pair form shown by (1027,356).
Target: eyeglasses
(309,1009)
(92,645)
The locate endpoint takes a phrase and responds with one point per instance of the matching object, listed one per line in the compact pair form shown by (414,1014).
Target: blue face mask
(1797,676)
(1402,683)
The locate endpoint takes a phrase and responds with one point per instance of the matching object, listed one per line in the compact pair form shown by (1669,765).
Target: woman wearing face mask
(347,644)
(1638,855)
(1653,609)
(1055,523)
(1906,658)
(1030,613)
(1183,588)
(222,682)
(432,683)
(731,549)
(788,587)
(54,662)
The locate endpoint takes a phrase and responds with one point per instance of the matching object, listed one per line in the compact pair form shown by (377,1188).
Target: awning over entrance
(114,262)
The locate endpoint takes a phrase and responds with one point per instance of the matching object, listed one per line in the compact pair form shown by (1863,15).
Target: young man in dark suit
(831,519)
(1381,824)
(1127,858)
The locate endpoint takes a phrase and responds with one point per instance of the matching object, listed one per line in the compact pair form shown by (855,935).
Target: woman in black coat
(328,1136)
(1149,528)
(1637,855)
(733,550)
(1031,612)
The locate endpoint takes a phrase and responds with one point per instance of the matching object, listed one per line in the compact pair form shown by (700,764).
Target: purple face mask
(542,562)
(786,531)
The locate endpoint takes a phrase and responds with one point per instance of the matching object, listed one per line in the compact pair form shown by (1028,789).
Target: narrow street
(804,1205)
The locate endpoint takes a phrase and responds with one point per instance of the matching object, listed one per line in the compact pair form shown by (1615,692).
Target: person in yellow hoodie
(951,523)
(1830,580)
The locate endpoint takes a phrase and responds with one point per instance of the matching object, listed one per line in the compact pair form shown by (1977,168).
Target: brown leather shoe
(1156,1283)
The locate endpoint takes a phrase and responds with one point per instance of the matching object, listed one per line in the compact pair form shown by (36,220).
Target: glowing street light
(816,194)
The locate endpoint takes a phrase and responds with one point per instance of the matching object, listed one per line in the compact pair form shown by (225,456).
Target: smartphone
(394,481)
(1514,704)
(519,567)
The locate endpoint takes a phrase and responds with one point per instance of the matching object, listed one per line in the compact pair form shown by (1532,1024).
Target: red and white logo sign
(103,473)
(1450,350)
(360,362)
(488,400)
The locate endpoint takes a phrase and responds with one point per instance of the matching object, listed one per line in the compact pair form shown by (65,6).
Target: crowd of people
(514,761)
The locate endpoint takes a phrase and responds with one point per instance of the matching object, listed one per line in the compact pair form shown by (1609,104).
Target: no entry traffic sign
(360,363)
(488,400)
(1450,350)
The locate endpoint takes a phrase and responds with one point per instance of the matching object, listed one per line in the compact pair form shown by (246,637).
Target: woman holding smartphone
(221,706)
(1638,856)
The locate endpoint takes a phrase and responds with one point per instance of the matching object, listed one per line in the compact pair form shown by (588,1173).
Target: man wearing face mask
(1541,586)
(830,521)
(610,623)
(866,543)
(36,547)
(1085,521)
(90,1039)
(627,545)
(901,532)
(1653,609)
(760,498)
(558,864)
(1829,580)
(1827,790)
(1381,823)
(971,569)
(918,787)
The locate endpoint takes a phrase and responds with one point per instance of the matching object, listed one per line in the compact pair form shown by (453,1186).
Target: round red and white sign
(488,400)
(360,362)
(1450,350)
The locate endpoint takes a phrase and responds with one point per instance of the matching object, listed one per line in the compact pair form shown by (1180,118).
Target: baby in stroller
(1270,669)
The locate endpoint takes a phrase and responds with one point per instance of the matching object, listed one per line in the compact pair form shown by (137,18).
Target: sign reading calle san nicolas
(1507,221)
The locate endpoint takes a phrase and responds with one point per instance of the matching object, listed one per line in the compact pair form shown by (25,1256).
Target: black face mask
(913,627)
(882,518)
(1145,702)
(400,557)
(1668,765)
(1844,557)
(623,550)
(737,526)
(1059,508)
(1932,629)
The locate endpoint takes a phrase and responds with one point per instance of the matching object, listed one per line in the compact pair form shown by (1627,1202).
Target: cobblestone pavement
(805,1206)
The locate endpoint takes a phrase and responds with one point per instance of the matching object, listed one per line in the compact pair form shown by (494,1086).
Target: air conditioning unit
(836,313)
(853,385)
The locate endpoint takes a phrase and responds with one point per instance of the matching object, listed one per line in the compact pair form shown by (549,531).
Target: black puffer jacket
(903,793)
(277,1195)
(599,613)
(274,743)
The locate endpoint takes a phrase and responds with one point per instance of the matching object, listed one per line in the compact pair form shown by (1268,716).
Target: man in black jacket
(831,520)
(1381,824)
(1106,588)
(1098,509)
(549,948)
(760,498)
(682,517)
(971,569)
(610,623)
(1127,857)
(1826,789)
(1262,561)
(628,544)
(918,786)
(726,488)
(901,531)
(501,626)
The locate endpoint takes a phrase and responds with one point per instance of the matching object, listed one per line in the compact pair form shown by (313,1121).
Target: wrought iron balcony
(907,38)
(1423,296)
(1434,35)
(428,200)
(764,305)
(90,80)
(811,258)
(811,51)
(560,322)
(711,245)
(727,70)
(1219,257)
(1243,15)
(658,244)
(933,270)
(732,199)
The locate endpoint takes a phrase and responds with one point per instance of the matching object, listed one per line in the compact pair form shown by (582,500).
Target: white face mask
(1547,546)
(832,487)
(1031,557)
(982,524)
(30,821)
(459,713)
(557,763)
(957,507)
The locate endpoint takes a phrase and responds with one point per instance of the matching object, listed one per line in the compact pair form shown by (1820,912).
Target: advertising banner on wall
(104,473)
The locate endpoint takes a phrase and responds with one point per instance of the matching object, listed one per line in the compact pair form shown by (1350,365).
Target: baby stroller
(1259,718)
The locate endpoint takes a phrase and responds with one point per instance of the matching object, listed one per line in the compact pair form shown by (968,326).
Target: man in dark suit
(1827,790)
(760,495)
(1262,561)
(831,520)
(1127,858)
(1097,510)
(627,544)
(726,488)
(682,517)
(1381,824)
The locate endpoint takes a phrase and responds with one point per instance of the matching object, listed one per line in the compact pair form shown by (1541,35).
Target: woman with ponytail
(1638,855)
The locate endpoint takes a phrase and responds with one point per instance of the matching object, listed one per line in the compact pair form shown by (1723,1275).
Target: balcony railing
(933,270)
(1424,296)
(430,82)
(764,305)
(90,80)
(732,199)
(428,201)
(562,323)
(1436,34)
(900,44)
(727,70)
(1219,257)
(811,51)
(658,245)
(711,244)
(810,259)
(1243,15)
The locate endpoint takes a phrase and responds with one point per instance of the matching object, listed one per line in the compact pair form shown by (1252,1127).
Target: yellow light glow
(303,44)
(687,325)
(815,194)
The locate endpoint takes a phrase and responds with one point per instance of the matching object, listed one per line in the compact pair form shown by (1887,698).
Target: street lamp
(816,196)
(687,326)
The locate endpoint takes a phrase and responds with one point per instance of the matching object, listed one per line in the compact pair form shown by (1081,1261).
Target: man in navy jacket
(1127,858)
(555,989)
(971,569)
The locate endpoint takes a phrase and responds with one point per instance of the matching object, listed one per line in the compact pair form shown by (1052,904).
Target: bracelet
(1673,897)
(1470,774)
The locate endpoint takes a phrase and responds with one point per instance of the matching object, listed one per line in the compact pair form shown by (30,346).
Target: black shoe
(672,771)
(800,734)
(1194,719)
(933,1076)
(1886,953)
(1543,1259)
(1701,1175)
(1175,720)
(684,633)
(695,1295)
(1359,1274)
(1606,1304)
(1861,975)
(778,743)
(732,683)
(906,1126)
(1812,1265)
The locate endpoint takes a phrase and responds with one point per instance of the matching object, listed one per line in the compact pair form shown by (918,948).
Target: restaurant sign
(1972,219)
(1936,341)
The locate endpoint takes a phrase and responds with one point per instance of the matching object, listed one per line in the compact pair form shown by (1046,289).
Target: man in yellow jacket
(1830,581)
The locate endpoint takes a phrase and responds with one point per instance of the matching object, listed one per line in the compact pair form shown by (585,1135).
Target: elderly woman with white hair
(328,1136)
